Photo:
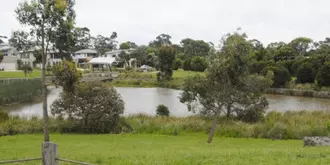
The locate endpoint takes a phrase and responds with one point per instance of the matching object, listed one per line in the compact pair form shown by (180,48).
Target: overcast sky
(141,21)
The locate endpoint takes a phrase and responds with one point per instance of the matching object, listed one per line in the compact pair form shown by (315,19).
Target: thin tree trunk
(228,111)
(212,131)
(44,91)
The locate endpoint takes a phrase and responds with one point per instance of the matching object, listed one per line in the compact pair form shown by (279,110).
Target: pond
(145,100)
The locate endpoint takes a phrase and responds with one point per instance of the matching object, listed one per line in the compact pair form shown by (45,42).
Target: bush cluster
(281,75)
(94,107)
(195,63)
(162,110)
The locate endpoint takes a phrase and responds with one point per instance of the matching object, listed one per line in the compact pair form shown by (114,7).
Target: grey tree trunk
(212,131)
(44,91)
(228,115)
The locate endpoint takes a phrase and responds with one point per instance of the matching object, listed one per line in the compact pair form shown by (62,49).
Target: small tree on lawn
(26,69)
(43,18)
(227,88)
(166,58)
(92,107)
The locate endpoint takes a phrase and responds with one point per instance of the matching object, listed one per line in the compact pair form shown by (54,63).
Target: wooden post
(49,153)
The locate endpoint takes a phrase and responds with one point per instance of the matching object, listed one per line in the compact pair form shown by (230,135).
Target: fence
(50,157)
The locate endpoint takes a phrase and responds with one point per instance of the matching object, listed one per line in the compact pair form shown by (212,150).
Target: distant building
(114,54)
(27,57)
(11,55)
(83,56)
(53,58)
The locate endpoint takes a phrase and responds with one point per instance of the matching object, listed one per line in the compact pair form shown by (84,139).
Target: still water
(145,100)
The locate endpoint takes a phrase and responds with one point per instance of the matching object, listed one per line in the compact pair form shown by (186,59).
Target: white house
(83,56)
(10,58)
(53,58)
(27,57)
(114,54)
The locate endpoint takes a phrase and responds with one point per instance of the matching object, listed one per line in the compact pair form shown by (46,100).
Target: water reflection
(145,100)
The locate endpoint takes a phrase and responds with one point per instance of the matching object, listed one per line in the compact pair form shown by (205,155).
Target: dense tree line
(300,60)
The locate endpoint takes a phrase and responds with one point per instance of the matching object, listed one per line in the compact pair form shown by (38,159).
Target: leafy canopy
(228,88)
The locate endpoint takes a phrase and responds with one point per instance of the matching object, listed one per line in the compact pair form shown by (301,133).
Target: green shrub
(257,66)
(94,107)
(67,75)
(305,74)
(187,64)
(198,64)
(288,65)
(162,110)
(323,77)
(19,64)
(252,115)
(281,75)
(178,63)
(3,116)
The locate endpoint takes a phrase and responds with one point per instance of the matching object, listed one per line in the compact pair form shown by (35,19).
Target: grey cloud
(142,20)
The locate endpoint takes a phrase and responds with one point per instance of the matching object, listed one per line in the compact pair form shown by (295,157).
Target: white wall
(8,66)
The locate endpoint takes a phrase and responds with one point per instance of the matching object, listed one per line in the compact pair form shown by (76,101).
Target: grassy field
(20,74)
(185,74)
(189,149)
(142,79)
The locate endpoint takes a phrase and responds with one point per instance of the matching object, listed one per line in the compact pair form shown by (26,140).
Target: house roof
(84,51)
(102,60)
(5,46)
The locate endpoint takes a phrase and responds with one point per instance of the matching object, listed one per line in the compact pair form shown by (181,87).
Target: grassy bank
(20,74)
(288,125)
(142,79)
(299,92)
(147,149)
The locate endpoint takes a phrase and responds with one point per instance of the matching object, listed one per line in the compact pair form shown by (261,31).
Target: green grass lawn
(145,149)
(184,74)
(149,79)
(180,73)
(20,74)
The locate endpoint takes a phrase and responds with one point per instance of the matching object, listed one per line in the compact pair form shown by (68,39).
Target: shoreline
(299,92)
(274,91)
